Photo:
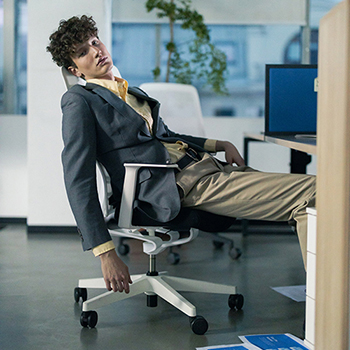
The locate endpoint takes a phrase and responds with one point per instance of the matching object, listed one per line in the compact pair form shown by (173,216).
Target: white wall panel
(47,202)
(13,166)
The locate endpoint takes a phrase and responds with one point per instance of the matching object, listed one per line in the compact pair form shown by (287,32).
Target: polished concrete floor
(38,273)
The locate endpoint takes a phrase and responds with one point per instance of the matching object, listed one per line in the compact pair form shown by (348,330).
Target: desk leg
(247,140)
(299,161)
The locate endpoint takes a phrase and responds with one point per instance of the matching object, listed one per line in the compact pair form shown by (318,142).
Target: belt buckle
(189,153)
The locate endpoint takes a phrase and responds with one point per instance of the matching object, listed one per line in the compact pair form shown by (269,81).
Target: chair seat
(186,219)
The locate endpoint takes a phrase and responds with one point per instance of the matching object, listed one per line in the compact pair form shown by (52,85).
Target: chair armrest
(105,191)
(129,189)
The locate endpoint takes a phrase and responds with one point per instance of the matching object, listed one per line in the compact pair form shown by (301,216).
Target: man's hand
(115,272)
(231,153)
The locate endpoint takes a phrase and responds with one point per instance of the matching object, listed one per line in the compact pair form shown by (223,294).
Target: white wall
(13,166)
(47,203)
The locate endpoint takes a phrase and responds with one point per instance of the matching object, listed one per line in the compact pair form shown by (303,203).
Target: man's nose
(96,50)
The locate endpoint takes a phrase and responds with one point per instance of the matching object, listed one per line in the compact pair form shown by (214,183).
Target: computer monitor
(290,99)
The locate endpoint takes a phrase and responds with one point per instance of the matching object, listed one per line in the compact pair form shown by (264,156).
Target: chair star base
(167,287)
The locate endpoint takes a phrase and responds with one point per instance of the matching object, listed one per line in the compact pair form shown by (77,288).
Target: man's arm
(79,164)
(79,167)
(231,153)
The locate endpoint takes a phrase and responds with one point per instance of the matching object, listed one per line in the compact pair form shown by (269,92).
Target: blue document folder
(275,342)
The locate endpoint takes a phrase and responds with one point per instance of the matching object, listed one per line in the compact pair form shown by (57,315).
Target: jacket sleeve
(79,166)
(171,136)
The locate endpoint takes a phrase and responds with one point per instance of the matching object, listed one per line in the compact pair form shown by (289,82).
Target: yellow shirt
(176,150)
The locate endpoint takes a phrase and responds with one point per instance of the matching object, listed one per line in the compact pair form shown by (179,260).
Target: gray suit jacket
(99,126)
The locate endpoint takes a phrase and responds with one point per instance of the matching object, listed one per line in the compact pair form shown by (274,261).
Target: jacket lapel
(153,103)
(119,104)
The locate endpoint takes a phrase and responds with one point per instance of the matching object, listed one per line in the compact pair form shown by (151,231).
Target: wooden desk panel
(333,181)
(307,145)
(302,144)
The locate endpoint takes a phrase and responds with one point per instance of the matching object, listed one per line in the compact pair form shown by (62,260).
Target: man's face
(92,60)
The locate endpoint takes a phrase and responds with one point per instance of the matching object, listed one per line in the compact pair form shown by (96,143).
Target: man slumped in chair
(109,122)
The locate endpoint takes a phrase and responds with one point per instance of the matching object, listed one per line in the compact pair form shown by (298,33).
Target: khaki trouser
(245,193)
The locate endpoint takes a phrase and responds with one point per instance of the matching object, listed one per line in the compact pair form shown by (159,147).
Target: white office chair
(181,110)
(180,106)
(152,283)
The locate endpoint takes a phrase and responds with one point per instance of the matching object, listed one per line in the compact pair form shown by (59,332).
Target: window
(1,55)
(137,48)
(13,85)
(137,61)
(134,51)
(21,56)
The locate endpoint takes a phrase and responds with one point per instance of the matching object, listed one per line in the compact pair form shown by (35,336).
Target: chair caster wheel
(123,249)
(152,300)
(235,253)
(173,258)
(80,293)
(236,301)
(88,319)
(198,324)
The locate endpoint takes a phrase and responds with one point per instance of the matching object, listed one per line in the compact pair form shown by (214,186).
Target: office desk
(301,148)
(305,144)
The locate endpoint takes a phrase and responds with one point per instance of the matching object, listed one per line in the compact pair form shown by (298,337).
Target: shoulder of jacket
(77,89)
(137,91)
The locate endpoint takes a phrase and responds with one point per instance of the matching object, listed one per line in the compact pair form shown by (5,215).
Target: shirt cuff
(103,248)
(210,145)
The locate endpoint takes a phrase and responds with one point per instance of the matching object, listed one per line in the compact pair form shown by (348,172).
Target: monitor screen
(291,99)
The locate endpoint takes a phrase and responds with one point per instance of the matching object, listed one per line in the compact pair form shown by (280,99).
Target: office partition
(333,182)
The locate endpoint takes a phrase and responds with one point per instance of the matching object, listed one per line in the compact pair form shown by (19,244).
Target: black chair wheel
(199,325)
(235,253)
(152,300)
(80,293)
(88,319)
(173,258)
(236,301)
(123,249)
(218,244)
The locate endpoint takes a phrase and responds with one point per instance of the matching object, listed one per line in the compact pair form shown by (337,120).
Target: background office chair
(152,283)
(180,106)
(181,110)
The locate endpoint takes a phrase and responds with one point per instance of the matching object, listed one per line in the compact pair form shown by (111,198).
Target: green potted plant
(205,62)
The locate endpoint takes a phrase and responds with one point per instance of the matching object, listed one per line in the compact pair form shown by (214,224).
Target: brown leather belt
(190,156)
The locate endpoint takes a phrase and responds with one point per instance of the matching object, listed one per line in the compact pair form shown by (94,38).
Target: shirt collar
(118,86)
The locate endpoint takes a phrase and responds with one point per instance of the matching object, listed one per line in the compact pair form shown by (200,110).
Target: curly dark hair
(69,34)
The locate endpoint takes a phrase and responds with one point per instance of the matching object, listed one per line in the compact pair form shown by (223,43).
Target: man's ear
(75,71)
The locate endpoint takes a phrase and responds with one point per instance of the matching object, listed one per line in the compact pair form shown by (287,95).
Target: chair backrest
(70,79)
(180,106)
